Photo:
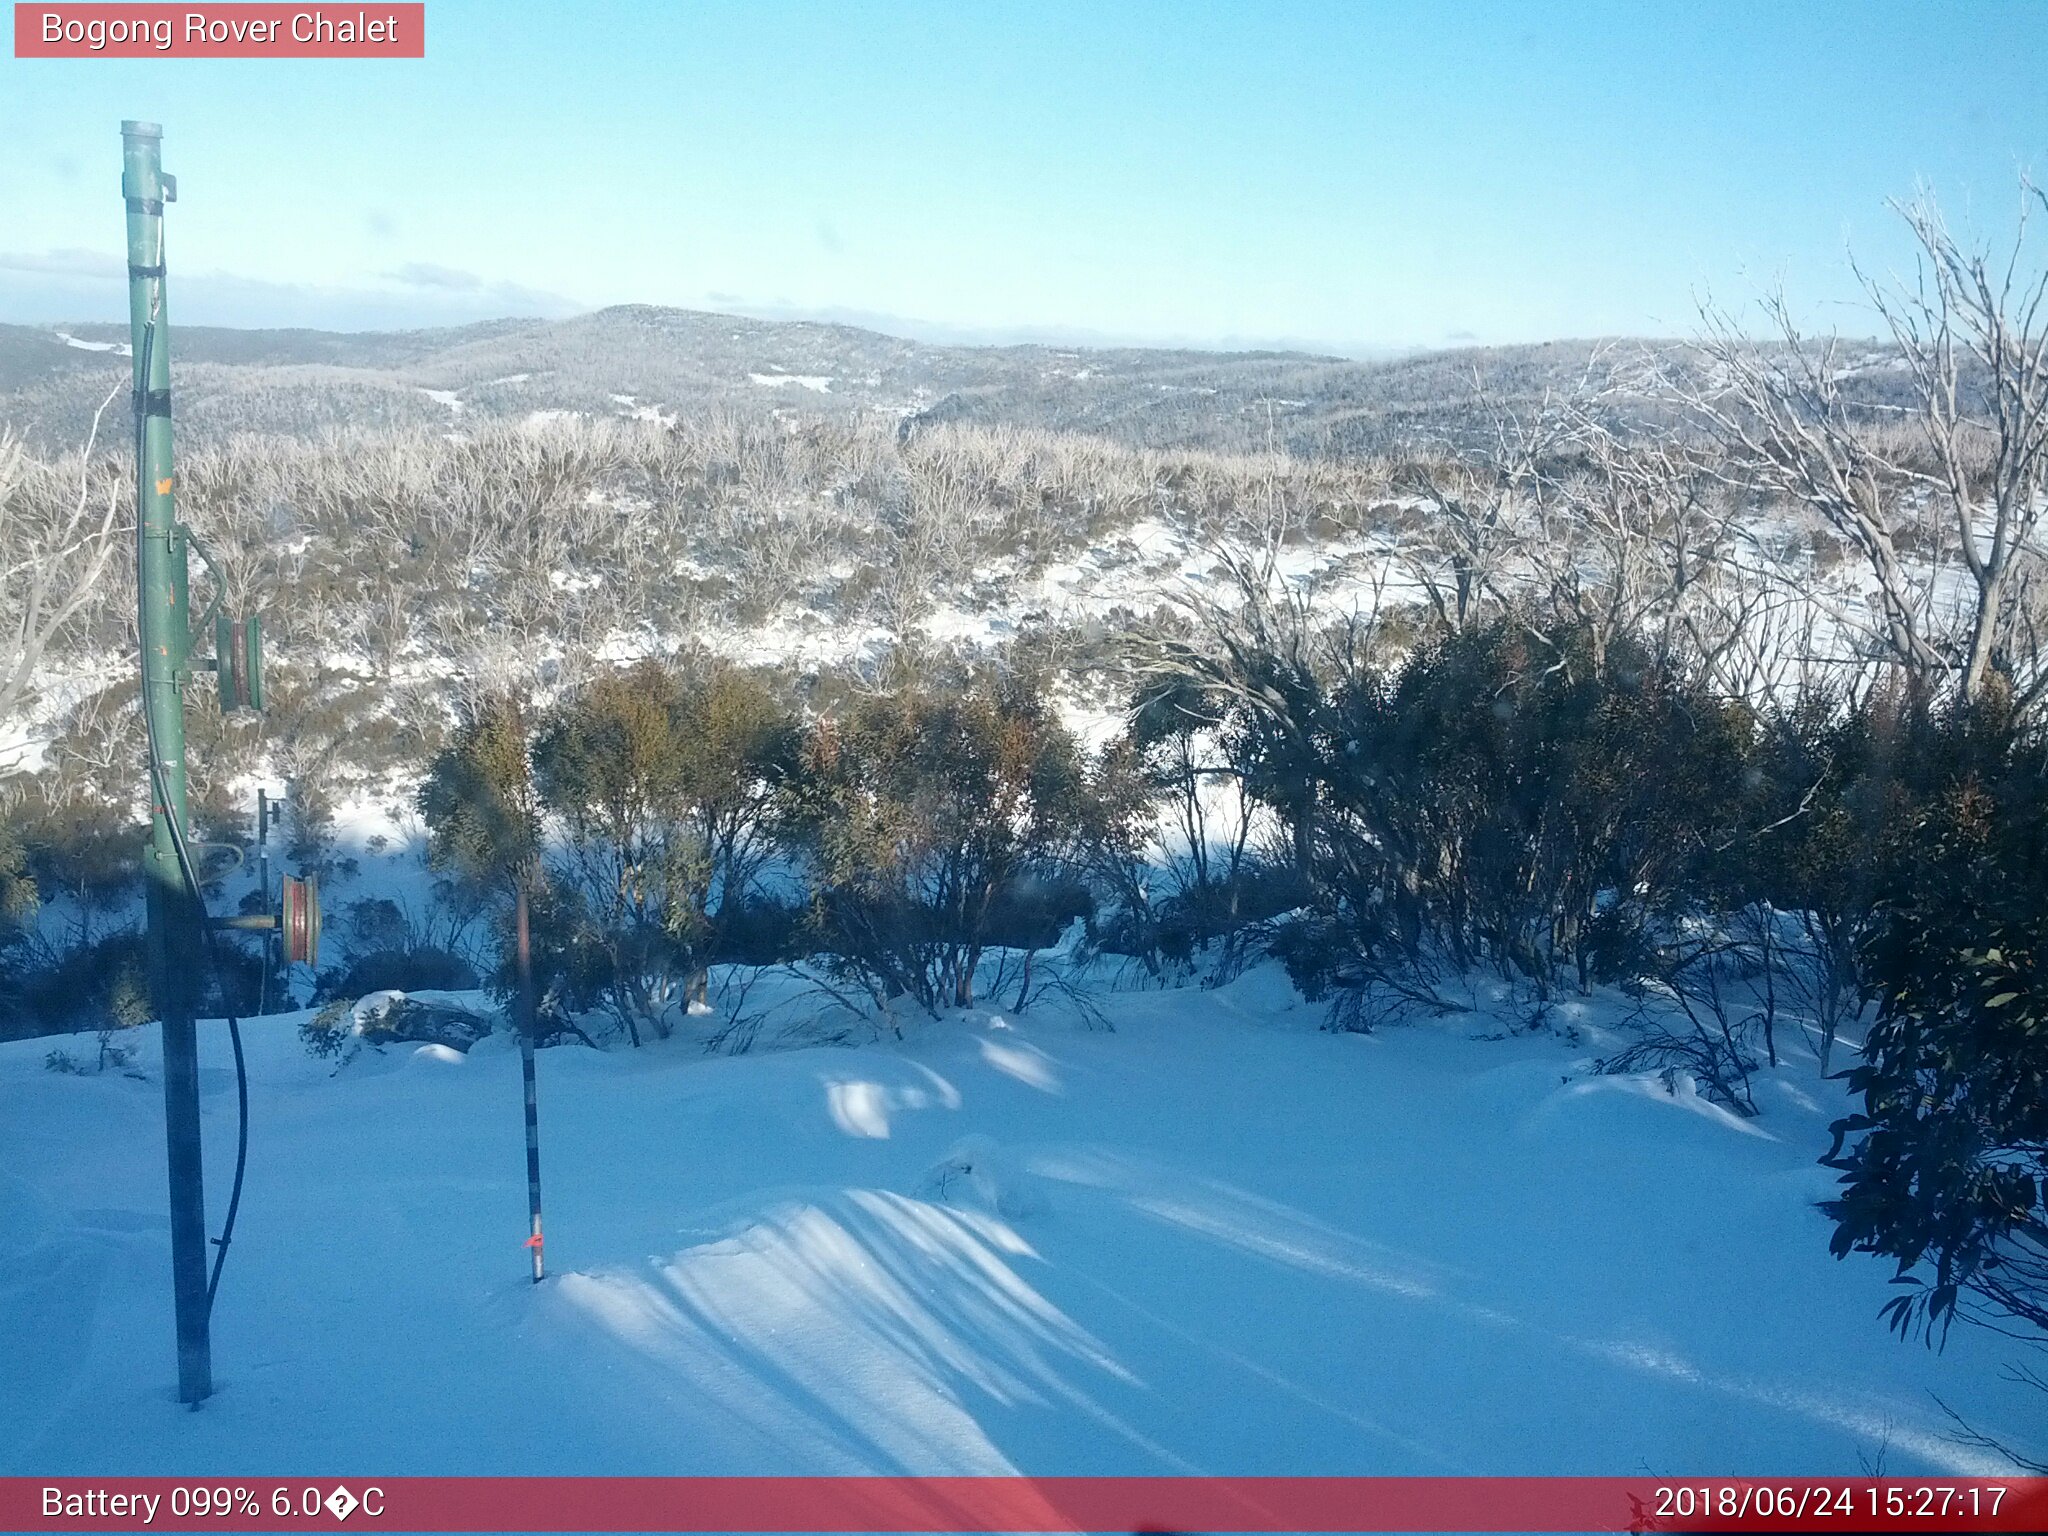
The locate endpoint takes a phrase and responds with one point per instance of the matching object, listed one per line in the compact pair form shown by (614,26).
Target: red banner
(238,31)
(1136,1504)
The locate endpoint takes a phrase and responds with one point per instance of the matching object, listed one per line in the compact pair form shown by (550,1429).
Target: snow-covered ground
(1216,1239)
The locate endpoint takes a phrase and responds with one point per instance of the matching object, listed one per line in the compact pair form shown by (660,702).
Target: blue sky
(1345,175)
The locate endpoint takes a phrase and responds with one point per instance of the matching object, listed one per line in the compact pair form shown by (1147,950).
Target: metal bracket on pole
(296,921)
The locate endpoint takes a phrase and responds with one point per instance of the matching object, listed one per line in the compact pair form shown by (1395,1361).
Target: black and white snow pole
(523,956)
(266,811)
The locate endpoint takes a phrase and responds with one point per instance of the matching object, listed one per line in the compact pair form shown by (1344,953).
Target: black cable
(227,1227)
(190,875)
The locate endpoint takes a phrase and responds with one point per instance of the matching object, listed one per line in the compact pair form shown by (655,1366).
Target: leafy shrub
(664,779)
(923,813)
(77,845)
(1501,799)
(1949,1166)
(101,983)
(330,1031)
(762,931)
(18,895)
(478,800)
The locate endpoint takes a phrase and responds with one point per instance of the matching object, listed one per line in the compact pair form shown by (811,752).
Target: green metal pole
(163,611)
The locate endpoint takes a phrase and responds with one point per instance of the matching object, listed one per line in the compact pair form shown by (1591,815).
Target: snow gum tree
(1947,489)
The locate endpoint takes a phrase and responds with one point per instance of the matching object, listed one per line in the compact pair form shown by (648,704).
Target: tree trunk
(1305,831)
(1984,634)
(963,990)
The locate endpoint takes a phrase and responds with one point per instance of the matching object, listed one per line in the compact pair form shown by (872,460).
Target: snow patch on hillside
(120,348)
(819,382)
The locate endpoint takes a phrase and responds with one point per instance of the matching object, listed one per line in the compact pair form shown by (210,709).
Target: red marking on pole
(532,1242)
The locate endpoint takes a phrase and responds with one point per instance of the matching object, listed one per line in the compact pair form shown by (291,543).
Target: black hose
(227,1227)
(161,794)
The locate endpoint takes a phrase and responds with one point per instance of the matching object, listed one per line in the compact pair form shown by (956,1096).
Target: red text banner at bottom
(1187,1504)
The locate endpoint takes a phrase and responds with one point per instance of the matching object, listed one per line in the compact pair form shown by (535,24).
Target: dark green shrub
(922,812)
(1500,799)
(1948,1168)
(664,778)
(97,985)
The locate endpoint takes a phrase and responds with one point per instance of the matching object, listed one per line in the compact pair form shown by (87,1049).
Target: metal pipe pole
(163,609)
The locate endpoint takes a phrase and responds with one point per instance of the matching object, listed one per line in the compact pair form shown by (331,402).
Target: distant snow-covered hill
(296,382)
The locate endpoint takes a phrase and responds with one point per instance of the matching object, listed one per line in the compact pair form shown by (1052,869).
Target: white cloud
(64,263)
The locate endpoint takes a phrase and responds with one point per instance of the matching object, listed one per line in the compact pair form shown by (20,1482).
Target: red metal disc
(299,920)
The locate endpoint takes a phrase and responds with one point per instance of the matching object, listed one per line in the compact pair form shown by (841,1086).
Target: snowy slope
(1216,1239)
